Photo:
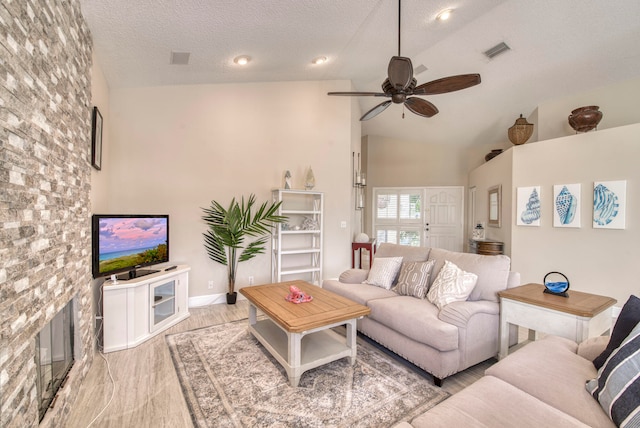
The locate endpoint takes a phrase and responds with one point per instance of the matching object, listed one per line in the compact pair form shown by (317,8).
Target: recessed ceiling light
(319,60)
(444,15)
(242,59)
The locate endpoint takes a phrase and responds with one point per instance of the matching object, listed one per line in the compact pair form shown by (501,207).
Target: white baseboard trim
(210,299)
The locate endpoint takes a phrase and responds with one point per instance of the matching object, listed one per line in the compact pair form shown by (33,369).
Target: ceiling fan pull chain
(403,110)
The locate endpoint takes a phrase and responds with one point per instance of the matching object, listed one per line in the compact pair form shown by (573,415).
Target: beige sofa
(442,342)
(540,385)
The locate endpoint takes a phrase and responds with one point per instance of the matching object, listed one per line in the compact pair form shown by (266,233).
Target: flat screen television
(126,243)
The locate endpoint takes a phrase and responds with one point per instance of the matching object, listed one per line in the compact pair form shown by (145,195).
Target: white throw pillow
(451,285)
(384,271)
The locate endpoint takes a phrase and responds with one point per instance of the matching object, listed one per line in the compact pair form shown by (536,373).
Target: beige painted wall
(392,163)
(99,179)
(618,103)
(595,260)
(600,261)
(495,172)
(174,149)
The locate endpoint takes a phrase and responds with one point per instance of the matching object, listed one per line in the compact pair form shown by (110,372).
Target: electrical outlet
(250,280)
(210,284)
(343,224)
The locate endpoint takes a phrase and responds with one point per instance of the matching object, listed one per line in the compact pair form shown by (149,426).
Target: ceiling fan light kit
(400,86)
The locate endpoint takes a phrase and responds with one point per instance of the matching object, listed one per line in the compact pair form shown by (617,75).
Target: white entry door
(444,217)
(422,216)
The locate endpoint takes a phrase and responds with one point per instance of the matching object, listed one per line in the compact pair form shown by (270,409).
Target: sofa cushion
(492,271)
(414,279)
(627,320)
(384,271)
(550,370)
(452,285)
(491,402)
(617,387)
(416,319)
(360,293)
(353,276)
(407,252)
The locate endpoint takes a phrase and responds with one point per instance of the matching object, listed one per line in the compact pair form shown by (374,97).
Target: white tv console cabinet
(135,310)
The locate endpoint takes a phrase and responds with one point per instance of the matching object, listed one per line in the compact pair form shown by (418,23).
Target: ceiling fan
(400,86)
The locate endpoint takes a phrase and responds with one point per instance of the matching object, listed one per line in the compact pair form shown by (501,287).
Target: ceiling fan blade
(359,94)
(421,107)
(376,110)
(400,72)
(447,84)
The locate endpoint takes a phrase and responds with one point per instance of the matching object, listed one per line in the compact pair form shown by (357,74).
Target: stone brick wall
(45,171)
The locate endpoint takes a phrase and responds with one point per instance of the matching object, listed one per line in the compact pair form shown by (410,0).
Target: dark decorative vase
(231,298)
(585,119)
(492,154)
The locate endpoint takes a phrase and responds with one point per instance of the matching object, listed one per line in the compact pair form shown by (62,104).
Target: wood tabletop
(578,303)
(325,308)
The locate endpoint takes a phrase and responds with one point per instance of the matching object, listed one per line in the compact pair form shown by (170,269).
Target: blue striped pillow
(617,387)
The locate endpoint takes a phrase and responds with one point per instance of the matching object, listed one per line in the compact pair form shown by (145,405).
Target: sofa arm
(459,313)
(592,347)
(353,276)
(513,279)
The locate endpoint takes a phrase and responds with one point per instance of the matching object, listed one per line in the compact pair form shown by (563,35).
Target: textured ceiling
(558,48)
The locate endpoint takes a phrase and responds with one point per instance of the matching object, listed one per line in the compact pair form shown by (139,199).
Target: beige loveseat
(540,385)
(442,342)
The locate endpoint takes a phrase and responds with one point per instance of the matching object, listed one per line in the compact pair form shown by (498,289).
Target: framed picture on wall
(96,139)
(495,206)
(609,204)
(566,205)
(528,206)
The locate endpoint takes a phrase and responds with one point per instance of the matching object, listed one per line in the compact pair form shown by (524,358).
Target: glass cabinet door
(163,302)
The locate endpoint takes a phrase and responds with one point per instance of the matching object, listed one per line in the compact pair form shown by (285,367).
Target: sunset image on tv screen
(128,242)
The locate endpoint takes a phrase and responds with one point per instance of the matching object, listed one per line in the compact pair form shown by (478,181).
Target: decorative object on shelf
(230,227)
(287,180)
(609,203)
(567,205)
(495,206)
(310,224)
(96,139)
(361,238)
(297,296)
(309,180)
(478,232)
(520,132)
(584,119)
(557,288)
(528,206)
(492,154)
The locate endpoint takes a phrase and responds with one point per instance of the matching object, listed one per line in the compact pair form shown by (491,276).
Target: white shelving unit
(297,244)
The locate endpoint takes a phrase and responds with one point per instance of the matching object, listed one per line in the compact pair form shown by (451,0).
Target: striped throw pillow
(617,387)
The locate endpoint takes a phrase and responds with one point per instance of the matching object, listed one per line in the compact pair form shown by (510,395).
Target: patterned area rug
(230,380)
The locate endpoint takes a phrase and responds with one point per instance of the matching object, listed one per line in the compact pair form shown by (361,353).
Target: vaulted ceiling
(557,48)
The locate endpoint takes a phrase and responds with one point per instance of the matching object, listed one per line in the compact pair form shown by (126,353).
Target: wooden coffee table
(299,335)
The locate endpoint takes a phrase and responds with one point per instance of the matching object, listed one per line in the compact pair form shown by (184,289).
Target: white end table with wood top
(299,335)
(577,317)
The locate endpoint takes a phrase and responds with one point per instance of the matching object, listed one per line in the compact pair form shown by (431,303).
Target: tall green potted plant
(227,240)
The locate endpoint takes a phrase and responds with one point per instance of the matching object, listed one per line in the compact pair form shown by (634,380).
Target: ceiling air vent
(179,58)
(497,50)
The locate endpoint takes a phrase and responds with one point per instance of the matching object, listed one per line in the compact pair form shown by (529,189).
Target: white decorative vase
(361,238)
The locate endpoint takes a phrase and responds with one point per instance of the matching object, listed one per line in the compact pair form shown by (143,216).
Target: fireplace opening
(54,357)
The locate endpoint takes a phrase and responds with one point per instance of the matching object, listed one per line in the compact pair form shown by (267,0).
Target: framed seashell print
(609,204)
(566,205)
(528,206)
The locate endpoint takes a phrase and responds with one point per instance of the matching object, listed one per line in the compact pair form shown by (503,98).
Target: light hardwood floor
(147,391)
